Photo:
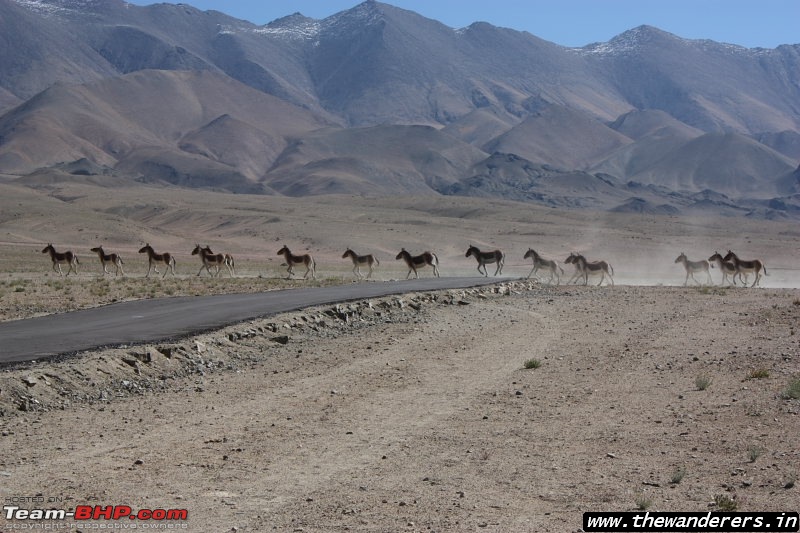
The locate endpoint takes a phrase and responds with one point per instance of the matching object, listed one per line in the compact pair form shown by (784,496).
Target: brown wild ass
(153,259)
(210,259)
(360,260)
(745,267)
(484,258)
(692,267)
(419,261)
(109,259)
(292,260)
(726,267)
(547,264)
(594,268)
(59,258)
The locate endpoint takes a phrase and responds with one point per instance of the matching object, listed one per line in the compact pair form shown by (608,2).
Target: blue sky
(750,23)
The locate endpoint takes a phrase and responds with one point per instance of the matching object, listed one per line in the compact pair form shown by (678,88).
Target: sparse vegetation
(725,502)
(706,289)
(100,289)
(702,382)
(754,452)
(18,285)
(678,474)
(643,502)
(793,390)
(55,284)
(532,363)
(759,373)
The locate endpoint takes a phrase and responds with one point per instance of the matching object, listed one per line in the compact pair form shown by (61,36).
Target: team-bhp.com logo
(95,512)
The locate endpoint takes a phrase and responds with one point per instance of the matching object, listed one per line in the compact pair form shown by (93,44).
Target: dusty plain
(412,413)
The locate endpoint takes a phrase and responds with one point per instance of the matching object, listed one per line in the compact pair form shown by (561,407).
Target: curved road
(161,319)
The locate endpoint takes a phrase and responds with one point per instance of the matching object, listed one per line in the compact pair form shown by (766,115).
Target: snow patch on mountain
(299,27)
(60,7)
(292,27)
(636,39)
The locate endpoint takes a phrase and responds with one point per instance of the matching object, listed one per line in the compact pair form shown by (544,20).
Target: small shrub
(725,502)
(643,503)
(100,289)
(702,382)
(754,452)
(56,285)
(793,390)
(759,373)
(532,363)
(705,289)
(678,475)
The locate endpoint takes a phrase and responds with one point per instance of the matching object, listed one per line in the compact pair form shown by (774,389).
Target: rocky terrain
(405,413)
(377,100)
(512,408)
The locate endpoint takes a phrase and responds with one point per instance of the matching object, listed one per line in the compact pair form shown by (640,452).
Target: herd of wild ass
(730,265)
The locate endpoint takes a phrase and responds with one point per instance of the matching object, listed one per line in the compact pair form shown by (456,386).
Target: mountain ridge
(482,90)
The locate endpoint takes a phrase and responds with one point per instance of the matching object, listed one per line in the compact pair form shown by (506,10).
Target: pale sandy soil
(426,420)
(415,415)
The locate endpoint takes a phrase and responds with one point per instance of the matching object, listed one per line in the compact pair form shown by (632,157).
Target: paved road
(161,319)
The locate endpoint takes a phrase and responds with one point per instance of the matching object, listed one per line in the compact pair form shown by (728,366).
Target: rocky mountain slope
(380,100)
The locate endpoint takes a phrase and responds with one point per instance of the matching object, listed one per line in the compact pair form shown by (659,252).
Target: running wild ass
(547,264)
(692,267)
(484,258)
(210,259)
(368,260)
(292,260)
(419,261)
(153,259)
(746,267)
(585,269)
(109,259)
(726,267)
(59,258)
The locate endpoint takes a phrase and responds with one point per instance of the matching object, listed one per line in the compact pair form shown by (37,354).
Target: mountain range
(377,100)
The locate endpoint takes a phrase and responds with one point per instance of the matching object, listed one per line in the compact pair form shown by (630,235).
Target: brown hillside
(727,163)
(377,160)
(108,120)
(560,137)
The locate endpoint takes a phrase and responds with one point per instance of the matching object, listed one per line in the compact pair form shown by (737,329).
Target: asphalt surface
(163,319)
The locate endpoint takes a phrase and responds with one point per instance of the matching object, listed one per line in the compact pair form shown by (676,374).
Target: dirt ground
(412,413)
(417,413)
